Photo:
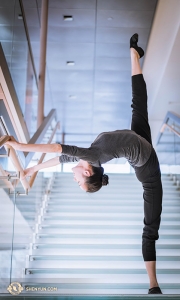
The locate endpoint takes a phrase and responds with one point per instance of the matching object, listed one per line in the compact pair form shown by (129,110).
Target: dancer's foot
(155,290)
(133,44)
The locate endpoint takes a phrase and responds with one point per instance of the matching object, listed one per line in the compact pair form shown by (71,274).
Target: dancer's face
(81,171)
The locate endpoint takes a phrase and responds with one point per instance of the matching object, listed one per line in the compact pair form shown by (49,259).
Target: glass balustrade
(19,216)
(7,214)
(15,46)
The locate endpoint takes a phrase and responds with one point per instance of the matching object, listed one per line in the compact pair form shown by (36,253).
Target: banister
(174,117)
(18,167)
(33,177)
(171,128)
(39,134)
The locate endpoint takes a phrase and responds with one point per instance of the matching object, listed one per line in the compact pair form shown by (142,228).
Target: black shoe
(155,290)
(133,44)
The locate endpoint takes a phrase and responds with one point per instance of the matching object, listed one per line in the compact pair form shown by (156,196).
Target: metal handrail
(174,117)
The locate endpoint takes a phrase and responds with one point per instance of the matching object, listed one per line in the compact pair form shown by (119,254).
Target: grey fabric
(65,159)
(108,145)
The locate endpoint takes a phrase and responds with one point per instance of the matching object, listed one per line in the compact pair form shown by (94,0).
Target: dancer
(135,145)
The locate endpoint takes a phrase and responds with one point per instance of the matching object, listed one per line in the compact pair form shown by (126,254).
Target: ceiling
(94,94)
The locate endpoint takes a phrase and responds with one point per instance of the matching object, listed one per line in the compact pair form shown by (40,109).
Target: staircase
(18,218)
(90,244)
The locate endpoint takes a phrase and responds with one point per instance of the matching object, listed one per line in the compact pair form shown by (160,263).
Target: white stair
(91,243)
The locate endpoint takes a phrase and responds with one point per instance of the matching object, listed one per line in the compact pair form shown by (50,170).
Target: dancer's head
(97,180)
(89,178)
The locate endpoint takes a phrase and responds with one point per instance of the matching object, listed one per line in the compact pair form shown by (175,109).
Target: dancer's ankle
(153,284)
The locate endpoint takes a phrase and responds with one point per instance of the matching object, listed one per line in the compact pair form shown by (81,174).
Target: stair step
(100,271)
(129,252)
(102,257)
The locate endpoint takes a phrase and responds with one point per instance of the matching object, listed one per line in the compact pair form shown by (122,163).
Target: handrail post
(33,177)
(42,63)
(63,139)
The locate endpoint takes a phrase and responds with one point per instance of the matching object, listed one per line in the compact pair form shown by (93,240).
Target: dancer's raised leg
(141,126)
(135,65)
(139,123)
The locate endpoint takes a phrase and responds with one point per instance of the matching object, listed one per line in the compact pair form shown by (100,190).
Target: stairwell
(90,244)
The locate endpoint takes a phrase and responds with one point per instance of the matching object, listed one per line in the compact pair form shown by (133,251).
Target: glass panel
(28,210)
(7,208)
(20,217)
(15,47)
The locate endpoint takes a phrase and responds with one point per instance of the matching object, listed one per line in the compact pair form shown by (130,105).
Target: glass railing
(17,51)
(18,221)
(22,201)
(171,124)
(168,139)
(22,205)
(168,144)
(7,212)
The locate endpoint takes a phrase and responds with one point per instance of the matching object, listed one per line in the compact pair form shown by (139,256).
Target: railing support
(33,177)
(174,117)
(42,63)
(171,128)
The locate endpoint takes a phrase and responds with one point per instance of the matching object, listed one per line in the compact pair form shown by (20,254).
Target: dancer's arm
(44,148)
(49,163)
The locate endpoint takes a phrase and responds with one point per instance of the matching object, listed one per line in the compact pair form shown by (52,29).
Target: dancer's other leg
(150,265)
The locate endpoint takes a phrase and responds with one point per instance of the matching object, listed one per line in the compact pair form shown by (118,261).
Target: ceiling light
(72,96)
(20,17)
(68,18)
(70,63)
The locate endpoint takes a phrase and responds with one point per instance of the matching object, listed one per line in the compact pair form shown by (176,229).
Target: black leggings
(149,174)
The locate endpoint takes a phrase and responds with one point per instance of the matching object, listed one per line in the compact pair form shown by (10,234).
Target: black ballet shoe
(133,44)
(134,40)
(155,290)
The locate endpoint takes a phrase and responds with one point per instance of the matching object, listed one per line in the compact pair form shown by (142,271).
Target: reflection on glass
(7,203)
(15,47)
(27,212)
(19,219)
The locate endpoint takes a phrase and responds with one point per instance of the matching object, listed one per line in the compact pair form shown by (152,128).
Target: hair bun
(105,179)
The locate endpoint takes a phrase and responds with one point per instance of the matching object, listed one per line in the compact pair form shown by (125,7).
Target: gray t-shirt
(108,145)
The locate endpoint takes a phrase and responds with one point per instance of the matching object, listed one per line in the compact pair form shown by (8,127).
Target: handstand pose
(135,145)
